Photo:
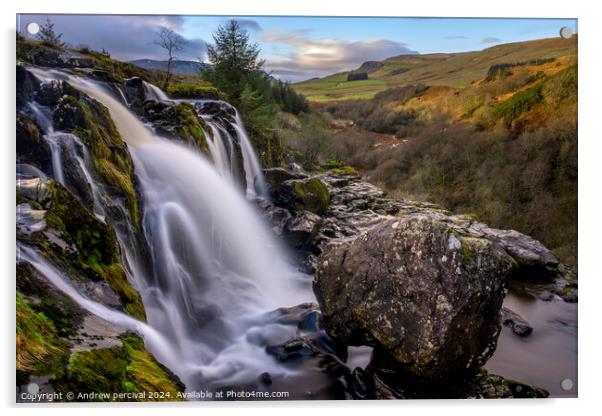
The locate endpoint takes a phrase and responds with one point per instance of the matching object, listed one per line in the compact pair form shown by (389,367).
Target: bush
(520,102)
(288,99)
(194,91)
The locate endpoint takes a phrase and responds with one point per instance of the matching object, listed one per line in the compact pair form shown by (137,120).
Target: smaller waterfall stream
(254,176)
(153,92)
(51,137)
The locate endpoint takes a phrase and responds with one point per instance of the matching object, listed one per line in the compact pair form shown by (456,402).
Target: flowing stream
(217,271)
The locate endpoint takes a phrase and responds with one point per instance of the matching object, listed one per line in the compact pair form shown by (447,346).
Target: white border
(590,202)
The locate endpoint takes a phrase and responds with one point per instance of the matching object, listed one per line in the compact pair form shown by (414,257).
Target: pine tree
(49,37)
(234,59)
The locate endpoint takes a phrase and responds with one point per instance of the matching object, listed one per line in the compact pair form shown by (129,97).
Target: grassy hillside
(453,70)
(503,148)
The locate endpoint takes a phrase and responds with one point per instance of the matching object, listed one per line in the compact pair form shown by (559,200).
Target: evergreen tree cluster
(289,100)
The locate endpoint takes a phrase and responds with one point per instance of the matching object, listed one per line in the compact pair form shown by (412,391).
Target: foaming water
(217,268)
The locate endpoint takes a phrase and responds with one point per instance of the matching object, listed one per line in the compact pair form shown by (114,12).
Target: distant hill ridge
(445,69)
(178,66)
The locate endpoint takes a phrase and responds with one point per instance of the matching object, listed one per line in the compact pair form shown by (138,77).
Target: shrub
(194,91)
(520,102)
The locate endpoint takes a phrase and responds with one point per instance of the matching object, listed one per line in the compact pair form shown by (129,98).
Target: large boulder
(418,291)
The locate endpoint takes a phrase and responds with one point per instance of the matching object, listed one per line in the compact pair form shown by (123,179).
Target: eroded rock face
(27,84)
(418,290)
(31,146)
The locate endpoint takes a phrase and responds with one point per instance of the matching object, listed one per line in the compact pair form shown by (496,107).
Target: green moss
(194,91)
(333,164)
(22,199)
(92,123)
(96,244)
(60,309)
(345,170)
(100,370)
(312,195)
(130,368)
(115,276)
(466,252)
(190,126)
(40,351)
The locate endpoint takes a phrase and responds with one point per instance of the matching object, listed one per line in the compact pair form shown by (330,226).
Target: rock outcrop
(418,290)
(177,121)
(421,285)
(516,323)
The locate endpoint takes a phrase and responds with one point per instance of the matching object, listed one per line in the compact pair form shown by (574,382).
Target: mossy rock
(178,121)
(27,84)
(194,91)
(64,313)
(40,350)
(96,256)
(91,122)
(126,369)
(310,195)
(96,244)
(31,146)
(344,170)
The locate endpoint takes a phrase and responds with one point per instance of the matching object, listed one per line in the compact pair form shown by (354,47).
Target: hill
(501,146)
(178,66)
(453,70)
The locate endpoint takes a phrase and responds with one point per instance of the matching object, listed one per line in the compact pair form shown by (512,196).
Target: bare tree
(172,43)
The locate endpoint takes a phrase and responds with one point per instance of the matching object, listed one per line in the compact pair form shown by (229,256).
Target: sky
(299,48)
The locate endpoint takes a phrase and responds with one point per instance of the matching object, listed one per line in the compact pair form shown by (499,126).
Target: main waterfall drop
(217,271)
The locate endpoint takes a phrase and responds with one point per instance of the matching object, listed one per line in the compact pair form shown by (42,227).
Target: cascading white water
(217,270)
(153,92)
(220,156)
(224,158)
(153,338)
(51,137)
(61,141)
(254,176)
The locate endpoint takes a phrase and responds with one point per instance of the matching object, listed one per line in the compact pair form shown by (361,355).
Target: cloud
(248,24)
(125,37)
(490,39)
(310,58)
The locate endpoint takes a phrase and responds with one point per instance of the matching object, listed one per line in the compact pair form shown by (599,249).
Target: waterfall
(254,176)
(221,157)
(52,138)
(217,270)
(152,338)
(224,157)
(153,92)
